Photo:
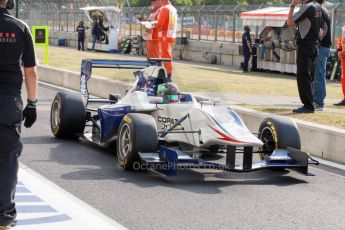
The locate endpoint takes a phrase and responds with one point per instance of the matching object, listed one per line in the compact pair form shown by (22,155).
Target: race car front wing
(168,161)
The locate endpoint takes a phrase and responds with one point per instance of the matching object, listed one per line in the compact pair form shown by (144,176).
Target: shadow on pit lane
(39,140)
(88,162)
(192,181)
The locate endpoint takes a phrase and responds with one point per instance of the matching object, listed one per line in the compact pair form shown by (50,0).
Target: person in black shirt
(246,47)
(81,35)
(321,60)
(309,21)
(16,49)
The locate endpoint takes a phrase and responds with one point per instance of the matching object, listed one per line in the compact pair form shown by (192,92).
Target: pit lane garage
(279,53)
(109,18)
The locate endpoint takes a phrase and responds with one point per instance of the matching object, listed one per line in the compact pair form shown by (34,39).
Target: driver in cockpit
(169,92)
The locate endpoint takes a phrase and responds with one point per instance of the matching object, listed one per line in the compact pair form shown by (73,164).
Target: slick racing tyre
(137,133)
(68,115)
(278,133)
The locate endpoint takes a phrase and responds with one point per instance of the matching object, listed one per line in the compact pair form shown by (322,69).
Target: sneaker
(340,103)
(303,110)
(318,107)
(14,223)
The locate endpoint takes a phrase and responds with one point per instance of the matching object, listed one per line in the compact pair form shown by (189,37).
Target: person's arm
(324,28)
(29,61)
(147,30)
(298,16)
(249,46)
(290,20)
(339,49)
(263,35)
(268,37)
(321,33)
(31,82)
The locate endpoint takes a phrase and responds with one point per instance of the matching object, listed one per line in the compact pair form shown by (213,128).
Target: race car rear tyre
(137,133)
(278,133)
(68,115)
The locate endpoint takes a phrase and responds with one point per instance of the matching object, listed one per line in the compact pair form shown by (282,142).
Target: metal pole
(67,19)
(128,4)
(182,23)
(199,29)
(225,29)
(130,22)
(333,15)
(234,24)
(74,21)
(199,35)
(59,20)
(17,9)
(217,21)
(208,25)
(233,27)
(216,28)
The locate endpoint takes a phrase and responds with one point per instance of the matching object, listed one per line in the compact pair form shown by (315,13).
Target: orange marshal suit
(167,26)
(341,47)
(151,37)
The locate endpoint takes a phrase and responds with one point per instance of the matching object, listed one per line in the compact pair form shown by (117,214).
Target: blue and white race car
(155,126)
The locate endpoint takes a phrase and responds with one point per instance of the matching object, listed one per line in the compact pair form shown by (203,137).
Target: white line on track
(55,199)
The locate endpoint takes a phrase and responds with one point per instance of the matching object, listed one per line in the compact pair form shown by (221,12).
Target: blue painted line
(22,190)
(45,220)
(27,198)
(35,209)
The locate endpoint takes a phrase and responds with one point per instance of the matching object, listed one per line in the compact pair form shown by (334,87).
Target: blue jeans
(262,51)
(320,76)
(94,39)
(246,55)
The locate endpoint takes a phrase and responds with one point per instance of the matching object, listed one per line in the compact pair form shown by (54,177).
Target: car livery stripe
(224,130)
(226,137)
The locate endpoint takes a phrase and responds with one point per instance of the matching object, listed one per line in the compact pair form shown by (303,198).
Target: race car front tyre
(68,115)
(278,133)
(137,133)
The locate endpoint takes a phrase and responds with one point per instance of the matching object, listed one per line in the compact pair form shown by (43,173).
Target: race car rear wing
(88,64)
